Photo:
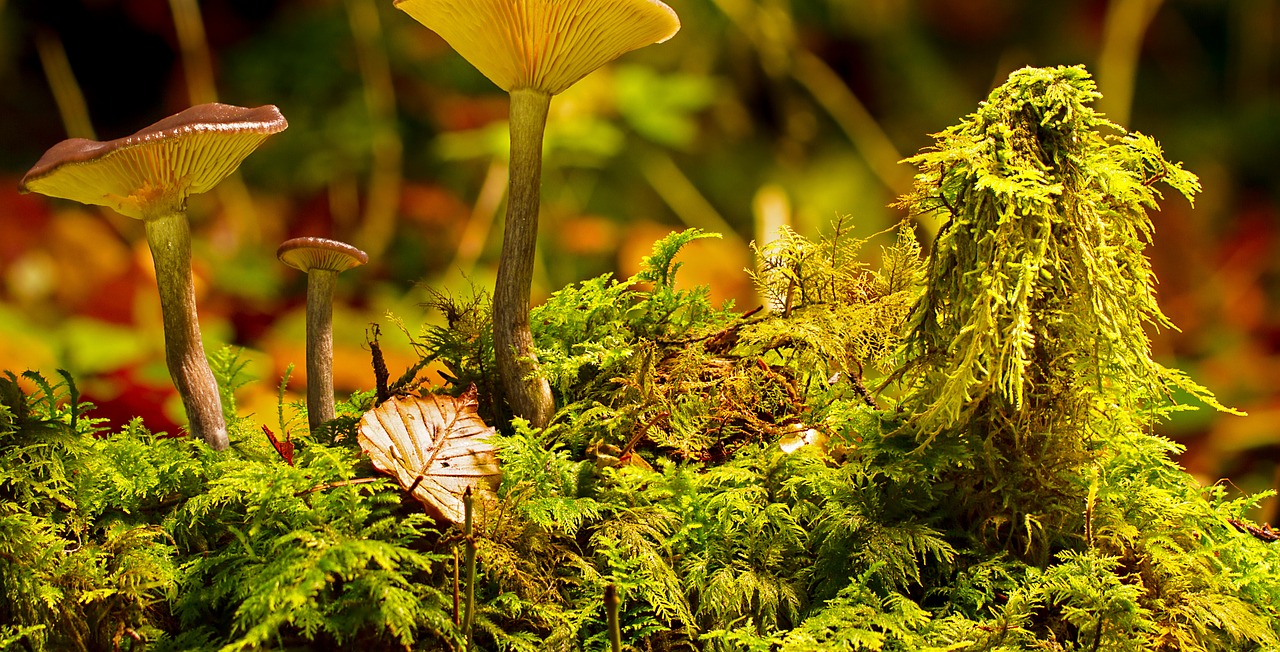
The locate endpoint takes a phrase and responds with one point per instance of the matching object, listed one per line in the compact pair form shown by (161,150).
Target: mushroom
(148,176)
(534,49)
(322,260)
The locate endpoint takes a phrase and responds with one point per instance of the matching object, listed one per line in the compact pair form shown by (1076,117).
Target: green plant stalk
(379,221)
(457,621)
(611,612)
(529,396)
(169,238)
(320,286)
(468,619)
(67,94)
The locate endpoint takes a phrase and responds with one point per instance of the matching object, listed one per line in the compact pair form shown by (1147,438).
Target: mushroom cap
(310,253)
(153,171)
(543,44)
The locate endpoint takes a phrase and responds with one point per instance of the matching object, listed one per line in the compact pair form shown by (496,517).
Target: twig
(861,390)
(1264,533)
(380,373)
(744,319)
(333,485)
(635,439)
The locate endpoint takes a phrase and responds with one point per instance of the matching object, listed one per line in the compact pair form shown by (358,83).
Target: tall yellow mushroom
(534,49)
(148,176)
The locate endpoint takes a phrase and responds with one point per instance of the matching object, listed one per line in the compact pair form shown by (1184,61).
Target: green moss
(944,453)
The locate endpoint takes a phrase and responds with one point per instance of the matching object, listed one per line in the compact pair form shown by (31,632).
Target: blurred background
(758,113)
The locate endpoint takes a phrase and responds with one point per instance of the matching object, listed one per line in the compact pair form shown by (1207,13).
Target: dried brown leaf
(436,447)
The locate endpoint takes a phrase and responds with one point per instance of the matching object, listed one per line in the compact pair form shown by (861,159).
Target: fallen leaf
(436,447)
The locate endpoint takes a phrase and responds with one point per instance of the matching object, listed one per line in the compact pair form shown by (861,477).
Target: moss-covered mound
(951,452)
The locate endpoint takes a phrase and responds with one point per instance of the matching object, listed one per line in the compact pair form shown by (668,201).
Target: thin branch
(333,485)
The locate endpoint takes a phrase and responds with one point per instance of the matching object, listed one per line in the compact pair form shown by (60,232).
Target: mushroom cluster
(148,176)
(534,49)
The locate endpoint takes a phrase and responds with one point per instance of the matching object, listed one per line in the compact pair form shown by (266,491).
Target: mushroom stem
(528,395)
(320,285)
(322,260)
(611,616)
(169,237)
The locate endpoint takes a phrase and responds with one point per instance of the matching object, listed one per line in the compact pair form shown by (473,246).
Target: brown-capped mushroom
(534,49)
(322,260)
(148,176)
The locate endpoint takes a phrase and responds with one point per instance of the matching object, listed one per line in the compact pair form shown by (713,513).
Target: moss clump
(951,453)
(1028,346)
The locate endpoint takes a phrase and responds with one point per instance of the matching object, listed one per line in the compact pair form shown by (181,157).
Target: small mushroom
(322,260)
(148,176)
(534,49)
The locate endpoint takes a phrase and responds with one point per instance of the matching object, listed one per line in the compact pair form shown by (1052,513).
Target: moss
(944,453)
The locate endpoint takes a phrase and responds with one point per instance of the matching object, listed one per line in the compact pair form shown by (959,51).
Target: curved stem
(528,395)
(320,284)
(169,238)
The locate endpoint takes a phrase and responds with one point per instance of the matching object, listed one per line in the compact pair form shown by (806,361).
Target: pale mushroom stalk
(169,238)
(534,49)
(320,285)
(528,394)
(322,260)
